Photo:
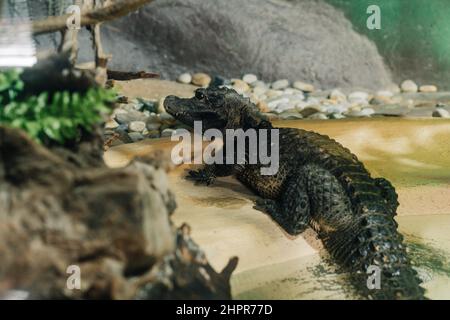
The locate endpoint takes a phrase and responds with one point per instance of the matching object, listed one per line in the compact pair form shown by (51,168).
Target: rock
(259,83)
(161,108)
(309,111)
(118,111)
(366,112)
(305,87)
(153,118)
(273,93)
(441,113)
(384,94)
(263,107)
(425,112)
(336,109)
(201,79)
(136,136)
(380,100)
(173,282)
(293,91)
(130,116)
(390,98)
(428,88)
(290,116)
(153,134)
(336,116)
(338,96)
(275,102)
(318,116)
(111,223)
(148,106)
(250,78)
(112,124)
(240,86)
(130,107)
(391,110)
(277,39)
(153,126)
(280,84)
(408,86)
(166,118)
(283,106)
(394,88)
(359,97)
(136,126)
(259,90)
(185,78)
(167,133)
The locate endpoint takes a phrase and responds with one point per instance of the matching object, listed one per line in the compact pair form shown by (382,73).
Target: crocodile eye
(199,95)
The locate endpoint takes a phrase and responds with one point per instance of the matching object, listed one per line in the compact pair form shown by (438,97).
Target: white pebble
(137,126)
(318,116)
(273,93)
(273,103)
(161,107)
(337,95)
(167,133)
(428,88)
(441,113)
(358,96)
(185,78)
(259,90)
(151,126)
(259,83)
(240,86)
(409,86)
(280,84)
(285,106)
(385,94)
(367,112)
(250,78)
(305,87)
(112,124)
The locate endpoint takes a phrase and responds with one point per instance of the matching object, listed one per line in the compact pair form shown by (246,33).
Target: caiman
(319,184)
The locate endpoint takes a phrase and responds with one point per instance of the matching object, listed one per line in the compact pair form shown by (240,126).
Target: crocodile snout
(170,103)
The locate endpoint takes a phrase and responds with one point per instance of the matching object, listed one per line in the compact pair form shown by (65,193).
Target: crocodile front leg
(208,174)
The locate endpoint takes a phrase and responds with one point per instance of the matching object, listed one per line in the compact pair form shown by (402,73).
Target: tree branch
(91,17)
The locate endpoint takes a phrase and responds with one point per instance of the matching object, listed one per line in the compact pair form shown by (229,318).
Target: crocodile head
(217,108)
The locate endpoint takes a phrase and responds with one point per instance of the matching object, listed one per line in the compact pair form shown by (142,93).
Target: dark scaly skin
(319,184)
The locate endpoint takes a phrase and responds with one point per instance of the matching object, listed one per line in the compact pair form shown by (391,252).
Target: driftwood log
(113,11)
(112,224)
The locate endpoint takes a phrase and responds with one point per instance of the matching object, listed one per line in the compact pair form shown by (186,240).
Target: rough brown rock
(111,223)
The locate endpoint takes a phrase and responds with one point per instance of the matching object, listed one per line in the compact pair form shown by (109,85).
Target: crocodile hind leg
(292,212)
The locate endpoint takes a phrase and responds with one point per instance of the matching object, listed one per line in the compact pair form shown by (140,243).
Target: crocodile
(319,184)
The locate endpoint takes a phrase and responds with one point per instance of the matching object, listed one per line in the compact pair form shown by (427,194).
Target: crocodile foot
(200,177)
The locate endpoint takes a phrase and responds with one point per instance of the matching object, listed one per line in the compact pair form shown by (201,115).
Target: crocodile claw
(200,177)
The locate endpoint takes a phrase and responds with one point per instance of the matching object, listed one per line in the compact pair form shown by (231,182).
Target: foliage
(59,117)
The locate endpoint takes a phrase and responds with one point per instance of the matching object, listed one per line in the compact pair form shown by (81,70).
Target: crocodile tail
(371,246)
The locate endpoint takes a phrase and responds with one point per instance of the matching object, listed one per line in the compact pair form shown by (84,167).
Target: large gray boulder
(297,40)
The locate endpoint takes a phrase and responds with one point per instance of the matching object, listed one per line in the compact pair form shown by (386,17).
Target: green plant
(58,117)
